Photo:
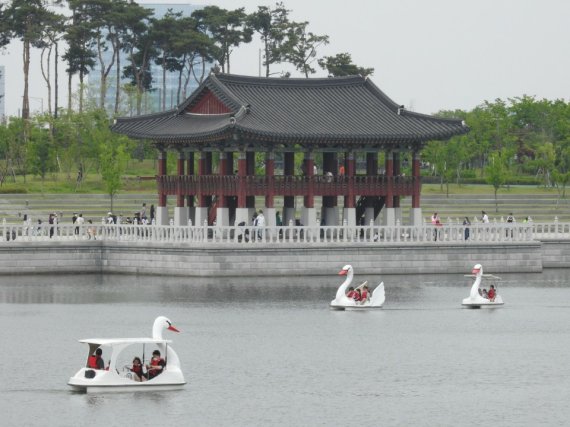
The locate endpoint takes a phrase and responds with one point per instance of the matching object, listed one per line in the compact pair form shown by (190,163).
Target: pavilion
(230,118)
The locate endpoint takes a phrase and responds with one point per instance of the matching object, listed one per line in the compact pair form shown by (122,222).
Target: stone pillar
(289,201)
(416,211)
(162,208)
(389,213)
(250,166)
(372,172)
(180,212)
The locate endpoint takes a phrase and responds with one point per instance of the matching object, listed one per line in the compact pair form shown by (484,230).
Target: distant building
(2,94)
(152,101)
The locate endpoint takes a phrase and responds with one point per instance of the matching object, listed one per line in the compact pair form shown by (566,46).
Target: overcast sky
(429,55)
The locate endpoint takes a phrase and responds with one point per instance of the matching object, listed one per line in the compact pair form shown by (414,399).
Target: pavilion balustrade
(285,185)
(496,232)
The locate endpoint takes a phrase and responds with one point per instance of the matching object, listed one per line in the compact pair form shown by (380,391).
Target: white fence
(249,235)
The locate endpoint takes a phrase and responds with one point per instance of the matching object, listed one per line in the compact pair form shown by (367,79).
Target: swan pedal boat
(342,302)
(120,379)
(474,300)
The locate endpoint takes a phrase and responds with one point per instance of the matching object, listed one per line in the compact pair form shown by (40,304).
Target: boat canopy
(121,341)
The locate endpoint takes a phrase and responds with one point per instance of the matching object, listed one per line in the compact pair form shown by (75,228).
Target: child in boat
(365,295)
(96,361)
(351,293)
(492,293)
(156,366)
(484,294)
(137,370)
(357,295)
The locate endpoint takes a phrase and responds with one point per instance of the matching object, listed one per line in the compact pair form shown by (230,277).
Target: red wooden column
(350,170)
(289,201)
(162,172)
(397,173)
(190,172)
(250,165)
(416,180)
(202,165)
(269,175)
(309,164)
(222,171)
(242,172)
(179,188)
(389,180)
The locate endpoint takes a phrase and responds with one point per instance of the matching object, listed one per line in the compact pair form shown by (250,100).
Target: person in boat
(357,295)
(95,361)
(137,370)
(351,293)
(492,293)
(156,366)
(485,294)
(365,295)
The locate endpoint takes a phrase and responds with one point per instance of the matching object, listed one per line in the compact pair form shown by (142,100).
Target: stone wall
(276,260)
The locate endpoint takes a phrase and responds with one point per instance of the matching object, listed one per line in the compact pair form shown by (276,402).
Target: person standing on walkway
(466,224)
(484,217)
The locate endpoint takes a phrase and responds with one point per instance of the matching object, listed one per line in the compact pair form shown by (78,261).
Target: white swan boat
(342,302)
(475,300)
(116,378)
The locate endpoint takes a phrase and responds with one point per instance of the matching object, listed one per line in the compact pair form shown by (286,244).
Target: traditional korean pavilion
(217,131)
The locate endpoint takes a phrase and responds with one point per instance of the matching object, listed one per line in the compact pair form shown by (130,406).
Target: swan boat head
(162,323)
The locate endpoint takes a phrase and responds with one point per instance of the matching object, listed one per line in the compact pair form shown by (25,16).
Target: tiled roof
(338,110)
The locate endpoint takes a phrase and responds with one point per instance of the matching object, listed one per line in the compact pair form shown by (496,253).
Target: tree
(272,26)
(497,173)
(25,20)
(228,29)
(300,50)
(341,65)
(113,162)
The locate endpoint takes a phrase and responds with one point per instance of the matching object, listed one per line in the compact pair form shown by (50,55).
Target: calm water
(269,352)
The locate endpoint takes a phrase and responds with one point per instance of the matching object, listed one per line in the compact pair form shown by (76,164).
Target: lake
(269,352)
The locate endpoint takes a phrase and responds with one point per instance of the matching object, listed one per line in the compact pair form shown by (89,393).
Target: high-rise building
(2,93)
(152,100)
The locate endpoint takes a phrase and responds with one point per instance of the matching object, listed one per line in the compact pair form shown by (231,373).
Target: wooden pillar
(250,165)
(350,171)
(269,175)
(309,163)
(189,172)
(180,175)
(202,171)
(397,173)
(389,180)
(242,172)
(416,180)
(371,171)
(289,171)
(162,172)
(222,170)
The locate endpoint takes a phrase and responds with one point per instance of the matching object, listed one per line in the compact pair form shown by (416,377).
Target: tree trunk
(25,99)
(56,87)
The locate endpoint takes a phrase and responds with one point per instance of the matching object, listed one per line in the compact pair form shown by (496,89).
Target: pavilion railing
(402,234)
(284,185)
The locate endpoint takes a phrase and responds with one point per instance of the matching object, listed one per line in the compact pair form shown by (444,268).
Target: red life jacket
(351,294)
(156,362)
(92,362)
(364,295)
(491,293)
(137,369)
(357,296)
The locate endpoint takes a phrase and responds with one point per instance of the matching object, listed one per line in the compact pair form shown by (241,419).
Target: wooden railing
(282,185)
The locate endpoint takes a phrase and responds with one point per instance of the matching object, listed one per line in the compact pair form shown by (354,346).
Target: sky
(428,55)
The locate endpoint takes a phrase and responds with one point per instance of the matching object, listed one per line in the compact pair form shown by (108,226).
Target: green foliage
(341,65)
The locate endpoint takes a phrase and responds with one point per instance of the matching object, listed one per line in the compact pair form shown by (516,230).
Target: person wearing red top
(351,293)
(364,295)
(491,294)
(95,361)
(137,369)
(156,366)
(357,295)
